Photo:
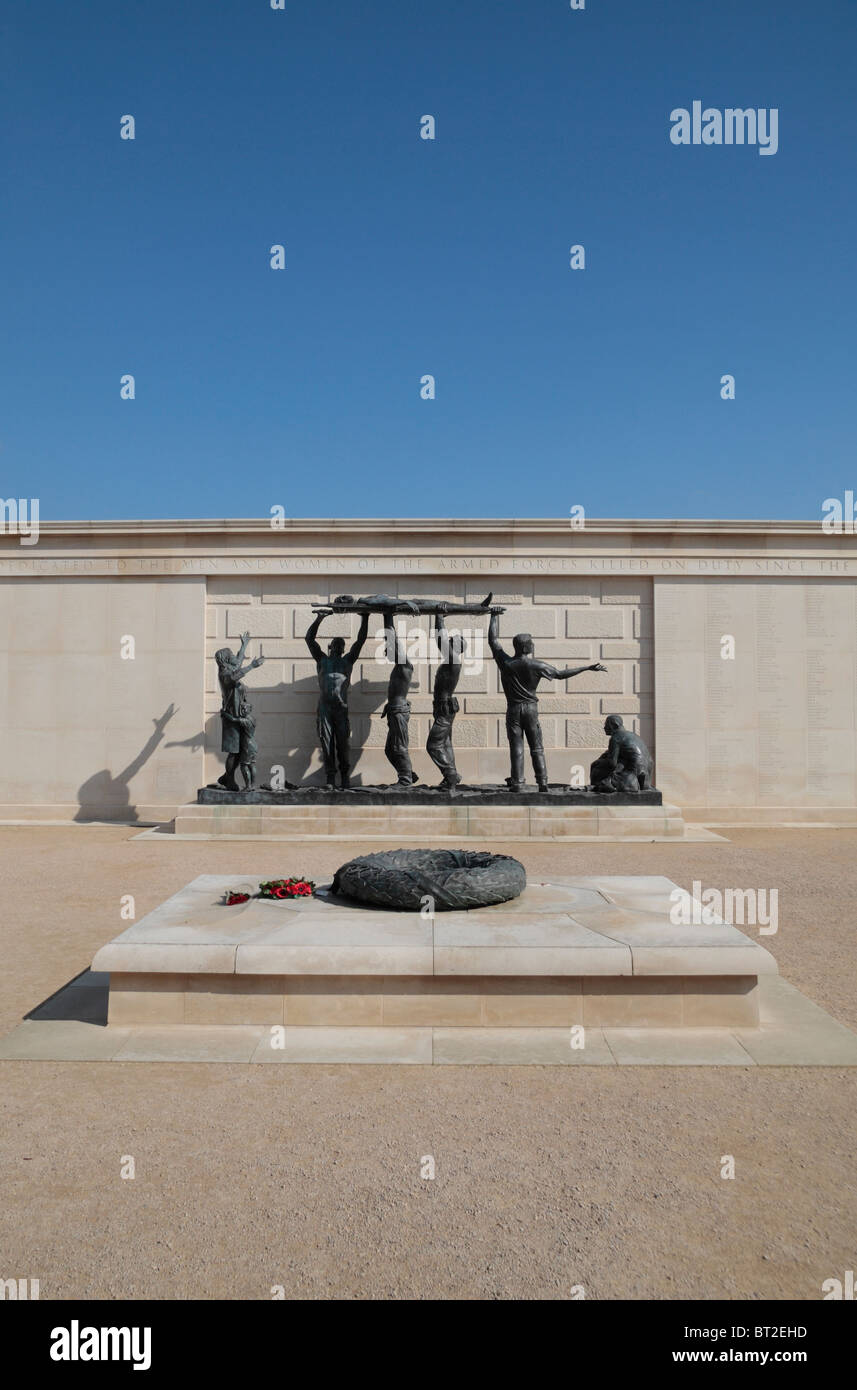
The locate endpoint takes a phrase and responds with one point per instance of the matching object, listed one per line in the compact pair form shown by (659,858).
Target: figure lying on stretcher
(385,603)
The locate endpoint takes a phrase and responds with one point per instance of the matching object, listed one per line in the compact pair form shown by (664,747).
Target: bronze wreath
(456,879)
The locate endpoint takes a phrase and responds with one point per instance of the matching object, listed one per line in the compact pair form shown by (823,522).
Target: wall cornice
(431,547)
(528,526)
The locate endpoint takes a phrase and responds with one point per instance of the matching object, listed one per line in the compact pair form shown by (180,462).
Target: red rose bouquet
(274,889)
(286,888)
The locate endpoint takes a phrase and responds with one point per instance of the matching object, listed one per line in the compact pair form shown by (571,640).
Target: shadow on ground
(82,1000)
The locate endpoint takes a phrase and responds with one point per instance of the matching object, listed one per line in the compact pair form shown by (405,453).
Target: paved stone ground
(309,1177)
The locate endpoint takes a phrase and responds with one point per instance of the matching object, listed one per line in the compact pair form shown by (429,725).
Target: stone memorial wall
(772,725)
(768,733)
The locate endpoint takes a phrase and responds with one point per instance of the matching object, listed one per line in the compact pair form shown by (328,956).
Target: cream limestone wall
(77,720)
(770,733)
(573,622)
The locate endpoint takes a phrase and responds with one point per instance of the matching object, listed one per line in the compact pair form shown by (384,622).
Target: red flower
(292,887)
(232,898)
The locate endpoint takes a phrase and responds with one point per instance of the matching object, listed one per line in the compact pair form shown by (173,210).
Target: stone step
(426,822)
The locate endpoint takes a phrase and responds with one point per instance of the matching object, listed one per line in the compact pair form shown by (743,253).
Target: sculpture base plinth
(425,815)
(421,794)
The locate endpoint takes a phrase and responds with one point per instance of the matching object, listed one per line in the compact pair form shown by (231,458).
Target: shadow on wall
(106,795)
(366,698)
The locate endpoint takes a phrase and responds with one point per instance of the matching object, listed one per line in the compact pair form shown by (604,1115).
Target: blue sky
(301,387)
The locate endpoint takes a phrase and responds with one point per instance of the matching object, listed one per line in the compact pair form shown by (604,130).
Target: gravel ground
(309,1177)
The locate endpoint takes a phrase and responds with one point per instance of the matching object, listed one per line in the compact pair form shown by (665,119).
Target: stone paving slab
(795,1032)
(409,1046)
(676,1047)
(64,1040)
(197,1043)
(504,1047)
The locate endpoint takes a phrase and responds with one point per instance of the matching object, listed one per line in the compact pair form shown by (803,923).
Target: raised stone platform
(595,951)
(424,812)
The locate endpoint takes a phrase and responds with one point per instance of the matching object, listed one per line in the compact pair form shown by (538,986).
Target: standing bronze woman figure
(230,673)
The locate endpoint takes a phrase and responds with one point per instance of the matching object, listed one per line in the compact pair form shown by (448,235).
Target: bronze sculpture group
(626,766)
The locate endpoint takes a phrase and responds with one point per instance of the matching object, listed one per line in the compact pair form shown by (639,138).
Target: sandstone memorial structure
(730,650)
(717,661)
